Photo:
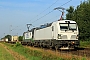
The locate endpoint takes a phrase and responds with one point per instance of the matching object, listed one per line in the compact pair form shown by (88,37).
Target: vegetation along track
(83,52)
(80,52)
(13,53)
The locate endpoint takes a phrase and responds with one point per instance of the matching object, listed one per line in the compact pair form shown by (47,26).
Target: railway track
(80,53)
(84,52)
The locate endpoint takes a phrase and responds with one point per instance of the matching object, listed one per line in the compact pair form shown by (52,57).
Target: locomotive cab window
(72,26)
(64,26)
(68,26)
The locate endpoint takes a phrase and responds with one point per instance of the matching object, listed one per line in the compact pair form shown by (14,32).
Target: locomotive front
(67,34)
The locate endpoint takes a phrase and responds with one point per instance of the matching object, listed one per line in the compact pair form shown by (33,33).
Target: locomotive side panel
(43,34)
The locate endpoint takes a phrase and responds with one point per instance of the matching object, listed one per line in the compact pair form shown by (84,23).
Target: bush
(17,44)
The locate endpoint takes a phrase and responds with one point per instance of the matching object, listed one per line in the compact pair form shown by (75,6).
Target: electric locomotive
(58,34)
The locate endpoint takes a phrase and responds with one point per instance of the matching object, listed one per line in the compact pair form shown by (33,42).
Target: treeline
(81,14)
(9,37)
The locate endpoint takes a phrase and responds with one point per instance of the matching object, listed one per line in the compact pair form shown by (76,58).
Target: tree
(70,13)
(8,36)
(20,38)
(82,16)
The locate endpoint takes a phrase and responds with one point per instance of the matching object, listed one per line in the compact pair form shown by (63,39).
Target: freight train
(58,34)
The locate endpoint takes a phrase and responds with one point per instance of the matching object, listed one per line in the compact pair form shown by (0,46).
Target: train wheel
(32,44)
(50,47)
(43,45)
(40,45)
(56,47)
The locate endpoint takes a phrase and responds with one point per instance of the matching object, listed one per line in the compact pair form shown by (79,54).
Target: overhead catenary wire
(53,18)
(66,3)
(50,12)
(46,9)
(43,16)
(49,7)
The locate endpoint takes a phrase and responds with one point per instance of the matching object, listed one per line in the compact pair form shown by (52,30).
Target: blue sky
(15,14)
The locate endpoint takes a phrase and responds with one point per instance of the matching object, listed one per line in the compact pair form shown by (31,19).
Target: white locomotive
(63,33)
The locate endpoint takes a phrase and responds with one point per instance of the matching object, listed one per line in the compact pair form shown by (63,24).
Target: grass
(4,55)
(32,54)
(85,44)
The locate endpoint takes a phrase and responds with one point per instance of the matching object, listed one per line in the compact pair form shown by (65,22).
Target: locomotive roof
(64,21)
(49,24)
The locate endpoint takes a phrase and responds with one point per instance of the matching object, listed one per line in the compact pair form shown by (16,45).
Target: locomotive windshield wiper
(72,30)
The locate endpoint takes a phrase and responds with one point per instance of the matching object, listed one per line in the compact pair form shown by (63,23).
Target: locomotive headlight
(73,42)
(59,36)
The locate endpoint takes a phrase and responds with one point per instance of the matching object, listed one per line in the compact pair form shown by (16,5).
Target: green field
(32,54)
(4,55)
